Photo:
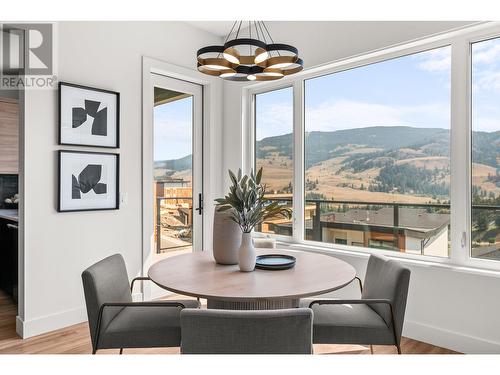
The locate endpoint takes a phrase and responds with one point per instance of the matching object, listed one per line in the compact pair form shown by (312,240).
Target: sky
(173,129)
(411,90)
(486,85)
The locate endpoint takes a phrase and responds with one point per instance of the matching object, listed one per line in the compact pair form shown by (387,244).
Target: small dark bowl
(10,206)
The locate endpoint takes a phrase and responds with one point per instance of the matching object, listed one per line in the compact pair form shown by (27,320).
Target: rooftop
(417,219)
(411,219)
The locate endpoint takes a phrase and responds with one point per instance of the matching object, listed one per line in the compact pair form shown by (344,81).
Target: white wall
(455,308)
(59,246)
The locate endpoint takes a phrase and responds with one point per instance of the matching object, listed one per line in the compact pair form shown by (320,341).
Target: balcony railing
(315,225)
(158,227)
(314,229)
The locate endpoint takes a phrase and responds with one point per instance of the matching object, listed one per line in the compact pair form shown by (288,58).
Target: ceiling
(217,28)
(222,28)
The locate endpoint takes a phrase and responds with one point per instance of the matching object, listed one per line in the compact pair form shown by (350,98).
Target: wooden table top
(196,274)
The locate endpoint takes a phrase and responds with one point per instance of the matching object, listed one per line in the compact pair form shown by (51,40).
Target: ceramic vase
(226,238)
(246,253)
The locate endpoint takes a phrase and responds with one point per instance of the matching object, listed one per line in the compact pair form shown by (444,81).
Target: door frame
(212,154)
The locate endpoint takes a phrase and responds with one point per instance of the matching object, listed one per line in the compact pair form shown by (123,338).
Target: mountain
(175,164)
(321,146)
(485,148)
(379,159)
(166,168)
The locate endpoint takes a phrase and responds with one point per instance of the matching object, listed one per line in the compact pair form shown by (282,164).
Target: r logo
(27,47)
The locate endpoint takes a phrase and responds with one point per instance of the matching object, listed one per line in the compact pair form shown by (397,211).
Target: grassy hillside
(384,163)
(167,168)
(322,146)
(486,147)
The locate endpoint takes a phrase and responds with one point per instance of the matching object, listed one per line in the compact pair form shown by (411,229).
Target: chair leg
(371,349)
(398,346)
(121,350)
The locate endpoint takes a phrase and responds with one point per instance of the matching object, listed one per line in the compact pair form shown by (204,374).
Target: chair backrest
(105,281)
(287,331)
(387,279)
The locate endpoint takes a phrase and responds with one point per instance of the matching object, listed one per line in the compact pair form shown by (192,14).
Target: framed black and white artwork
(88,116)
(88,181)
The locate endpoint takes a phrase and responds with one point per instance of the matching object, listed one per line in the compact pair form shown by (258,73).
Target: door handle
(200,204)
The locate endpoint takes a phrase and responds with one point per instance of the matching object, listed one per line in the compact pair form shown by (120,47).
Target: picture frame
(88,116)
(88,181)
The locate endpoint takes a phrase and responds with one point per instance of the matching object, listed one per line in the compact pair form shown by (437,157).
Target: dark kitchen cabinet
(8,257)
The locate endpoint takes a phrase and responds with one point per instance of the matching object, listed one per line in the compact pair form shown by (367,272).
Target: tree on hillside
(497,221)
(482,221)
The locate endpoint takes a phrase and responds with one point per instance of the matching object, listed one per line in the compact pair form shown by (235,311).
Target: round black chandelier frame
(265,60)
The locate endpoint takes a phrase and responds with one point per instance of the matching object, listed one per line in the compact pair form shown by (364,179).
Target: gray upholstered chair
(375,319)
(116,322)
(287,331)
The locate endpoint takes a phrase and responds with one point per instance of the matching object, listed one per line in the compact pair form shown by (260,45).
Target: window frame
(476,262)
(253,156)
(460,42)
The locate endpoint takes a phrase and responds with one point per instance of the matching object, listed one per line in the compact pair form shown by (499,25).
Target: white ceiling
(217,28)
(222,28)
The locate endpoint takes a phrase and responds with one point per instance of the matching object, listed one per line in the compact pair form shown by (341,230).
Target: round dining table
(225,287)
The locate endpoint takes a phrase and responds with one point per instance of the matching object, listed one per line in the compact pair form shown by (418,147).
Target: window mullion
(298,161)
(248,133)
(460,152)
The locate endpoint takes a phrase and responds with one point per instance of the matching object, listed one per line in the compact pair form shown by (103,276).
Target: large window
(274,151)
(377,155)
(381,136)
(485,231)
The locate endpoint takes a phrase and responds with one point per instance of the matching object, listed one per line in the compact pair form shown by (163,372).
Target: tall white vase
(246,253)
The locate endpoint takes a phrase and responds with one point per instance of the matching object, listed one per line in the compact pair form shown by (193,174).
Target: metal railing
(158,226)
(315,232)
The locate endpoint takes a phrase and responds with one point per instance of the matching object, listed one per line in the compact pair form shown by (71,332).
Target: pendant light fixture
(253,58)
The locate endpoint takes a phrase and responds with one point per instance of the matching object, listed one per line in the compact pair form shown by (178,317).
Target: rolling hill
(167,168)
(382,160)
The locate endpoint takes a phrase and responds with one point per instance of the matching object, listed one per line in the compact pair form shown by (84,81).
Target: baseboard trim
(19,326)
(449,339)
(52,322)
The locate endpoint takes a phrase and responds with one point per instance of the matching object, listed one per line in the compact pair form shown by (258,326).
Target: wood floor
(76,340)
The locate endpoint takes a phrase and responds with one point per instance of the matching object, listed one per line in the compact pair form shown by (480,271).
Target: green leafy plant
(247,202)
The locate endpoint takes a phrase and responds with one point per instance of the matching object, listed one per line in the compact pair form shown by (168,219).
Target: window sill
(364,253)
